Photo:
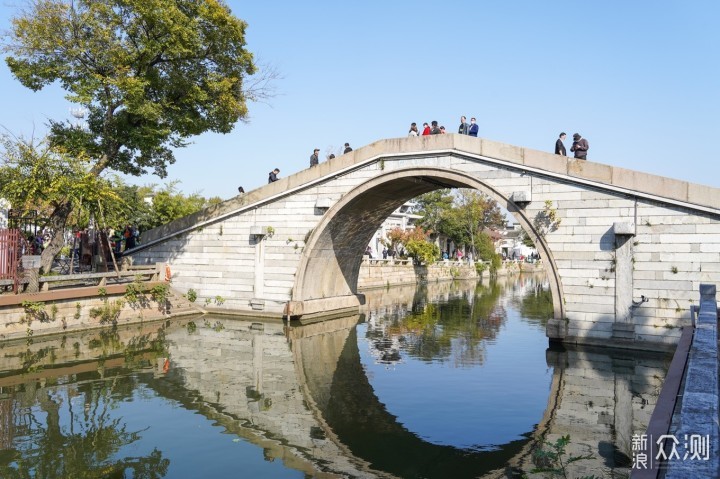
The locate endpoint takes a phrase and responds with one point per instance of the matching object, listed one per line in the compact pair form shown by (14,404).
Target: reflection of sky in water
(470,405)
(195,445)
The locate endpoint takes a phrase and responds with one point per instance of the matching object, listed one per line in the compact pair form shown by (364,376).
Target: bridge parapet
(612,176)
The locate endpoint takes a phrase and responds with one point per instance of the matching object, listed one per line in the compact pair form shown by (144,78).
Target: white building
(402,217)
(511,245)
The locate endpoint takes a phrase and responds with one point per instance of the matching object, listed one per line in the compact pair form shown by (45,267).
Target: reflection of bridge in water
(302,395)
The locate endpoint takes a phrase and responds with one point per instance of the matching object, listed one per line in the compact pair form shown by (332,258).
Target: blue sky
(638,79)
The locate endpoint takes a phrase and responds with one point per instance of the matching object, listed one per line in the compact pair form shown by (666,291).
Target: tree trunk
(58,220)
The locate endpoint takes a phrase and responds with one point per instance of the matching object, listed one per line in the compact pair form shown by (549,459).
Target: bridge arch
(330,264)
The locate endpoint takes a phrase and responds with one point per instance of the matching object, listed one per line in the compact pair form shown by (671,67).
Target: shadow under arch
(328,272)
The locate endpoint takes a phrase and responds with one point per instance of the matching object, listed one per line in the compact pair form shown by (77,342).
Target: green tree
(462,216)
(475,213)
(150,206)
(434,208)
(527,240)
(151,74)
(168,204)
(132,208)
(419,247)
(43,177)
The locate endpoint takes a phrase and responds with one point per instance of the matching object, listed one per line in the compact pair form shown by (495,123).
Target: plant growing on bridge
(547,220)
(150,73)
(191,295)
(551,458)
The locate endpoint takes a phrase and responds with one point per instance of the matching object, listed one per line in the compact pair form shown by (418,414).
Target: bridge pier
(624,327)
(324,307)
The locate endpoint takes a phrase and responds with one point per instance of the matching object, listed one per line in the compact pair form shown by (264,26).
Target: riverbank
(378,273)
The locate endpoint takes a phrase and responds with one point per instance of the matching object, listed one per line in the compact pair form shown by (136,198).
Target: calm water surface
(445,380)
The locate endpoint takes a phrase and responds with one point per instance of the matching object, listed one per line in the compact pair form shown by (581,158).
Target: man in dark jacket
(272,177)
(315,158)
(464,127)
(435,130)
(580,146)
(473,130)
(560,146)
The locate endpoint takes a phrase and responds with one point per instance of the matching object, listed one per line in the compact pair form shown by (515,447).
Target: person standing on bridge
(413,130)
(426,129)
(314,158)
(347,148)
(435,130)
(464,127)
(580,146)
(272,177)
(473,130)
(560,146)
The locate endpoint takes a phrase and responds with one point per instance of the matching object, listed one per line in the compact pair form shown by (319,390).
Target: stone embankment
(378,273)
(75,307)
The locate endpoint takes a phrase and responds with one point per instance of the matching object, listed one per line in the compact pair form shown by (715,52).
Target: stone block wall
(58,316)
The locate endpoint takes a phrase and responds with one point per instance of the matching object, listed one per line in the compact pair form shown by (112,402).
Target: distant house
(402,217)
(511,245)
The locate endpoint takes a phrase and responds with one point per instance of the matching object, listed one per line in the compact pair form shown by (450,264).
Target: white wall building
(402,217)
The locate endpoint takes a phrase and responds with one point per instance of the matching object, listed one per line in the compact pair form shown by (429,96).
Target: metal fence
(9,255)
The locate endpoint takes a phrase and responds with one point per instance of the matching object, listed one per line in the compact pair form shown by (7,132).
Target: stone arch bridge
(625,251)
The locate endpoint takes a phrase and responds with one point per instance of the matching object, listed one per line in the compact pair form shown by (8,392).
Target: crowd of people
(579,147)
(465,128)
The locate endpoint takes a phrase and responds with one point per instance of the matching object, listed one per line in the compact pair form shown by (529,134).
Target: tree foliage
(464,217)
(151,73)
(149,206)
(418,245)
(393,238)
(39,176)
(61,187)
(434,207)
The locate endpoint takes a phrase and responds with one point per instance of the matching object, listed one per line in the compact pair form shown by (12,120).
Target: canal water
(443,380)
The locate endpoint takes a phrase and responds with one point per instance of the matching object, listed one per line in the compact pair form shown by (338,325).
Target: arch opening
(328,272)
